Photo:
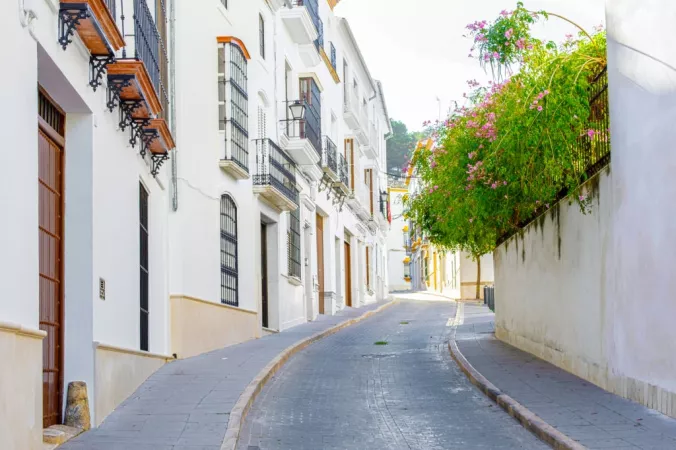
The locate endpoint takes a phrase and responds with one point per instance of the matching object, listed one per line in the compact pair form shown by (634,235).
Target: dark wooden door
(50,228)
(264,275)
(320,261)
(348,276)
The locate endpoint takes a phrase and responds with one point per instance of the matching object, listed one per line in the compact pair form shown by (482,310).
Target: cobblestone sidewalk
(584,412)
(186,404)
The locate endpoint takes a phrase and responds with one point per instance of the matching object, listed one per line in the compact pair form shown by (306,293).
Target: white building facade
(162,200)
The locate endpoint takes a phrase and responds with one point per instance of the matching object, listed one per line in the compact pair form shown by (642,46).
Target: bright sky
(417,49)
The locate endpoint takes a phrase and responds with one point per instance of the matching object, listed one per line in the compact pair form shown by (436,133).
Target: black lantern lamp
(297,110)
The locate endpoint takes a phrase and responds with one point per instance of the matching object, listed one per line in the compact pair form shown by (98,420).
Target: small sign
(102,289)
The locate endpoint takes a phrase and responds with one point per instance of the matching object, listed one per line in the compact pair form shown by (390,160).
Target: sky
(417,49)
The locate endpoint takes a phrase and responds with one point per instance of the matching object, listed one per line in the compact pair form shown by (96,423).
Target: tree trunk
(478,278)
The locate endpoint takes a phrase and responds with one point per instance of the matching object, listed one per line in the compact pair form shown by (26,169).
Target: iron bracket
(97,65)
(157,161)
(69,18)
(115,87)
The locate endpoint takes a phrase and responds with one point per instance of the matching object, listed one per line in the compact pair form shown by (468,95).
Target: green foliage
(506,156)
(380,343)
(399,146)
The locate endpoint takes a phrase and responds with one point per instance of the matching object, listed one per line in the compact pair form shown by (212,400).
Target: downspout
(172,102)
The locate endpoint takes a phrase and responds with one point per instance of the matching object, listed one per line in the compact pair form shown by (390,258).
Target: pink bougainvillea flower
(436,187)
(540,108)
(591,133)
(494,186)
(521,43)
(471,155)
(505,183)
(504,13)
(431,190)
(583,197)
(509,33)
(496,55)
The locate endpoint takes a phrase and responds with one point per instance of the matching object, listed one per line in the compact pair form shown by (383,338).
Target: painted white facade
(398,241)
(102,175)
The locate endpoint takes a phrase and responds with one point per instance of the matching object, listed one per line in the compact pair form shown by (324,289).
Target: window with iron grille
(294,243)
(233,103)
(144,269)
(229,279)
(261,34)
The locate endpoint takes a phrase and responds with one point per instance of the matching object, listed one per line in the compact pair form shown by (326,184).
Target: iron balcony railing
(312,9)
(275,168)
(149,47)
(329,155)
(591,151)
(307,128)
(343,171)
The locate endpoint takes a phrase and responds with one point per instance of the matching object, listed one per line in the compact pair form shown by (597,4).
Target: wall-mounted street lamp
(297,110)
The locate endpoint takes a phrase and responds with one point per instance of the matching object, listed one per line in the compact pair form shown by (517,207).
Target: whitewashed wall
(593,293)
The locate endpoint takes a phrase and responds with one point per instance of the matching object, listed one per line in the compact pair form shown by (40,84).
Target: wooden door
(348,276)
(50,231)
(320,261)
(264,275)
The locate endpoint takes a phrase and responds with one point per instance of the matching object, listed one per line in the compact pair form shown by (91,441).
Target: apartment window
(233,103)
(293,236)
(349,157)
(144,286)
(229,278)
(368,181)
(261,34)
(333,56)
(368,269)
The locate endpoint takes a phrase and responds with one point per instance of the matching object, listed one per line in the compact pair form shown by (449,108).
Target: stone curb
(525,416)
(246,399)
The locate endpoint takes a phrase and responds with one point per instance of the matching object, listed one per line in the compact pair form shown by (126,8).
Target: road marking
(459,318)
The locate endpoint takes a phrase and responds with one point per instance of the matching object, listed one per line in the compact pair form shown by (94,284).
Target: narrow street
(346,392)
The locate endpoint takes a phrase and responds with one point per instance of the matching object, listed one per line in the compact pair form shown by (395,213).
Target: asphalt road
(346,392)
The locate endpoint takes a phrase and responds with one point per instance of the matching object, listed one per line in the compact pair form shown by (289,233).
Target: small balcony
(355,116)
(329,160)
(301,140)
(275,177)
(157,140)
(371,150)
(236,159)
(343,183)
(300,19)
(95,23)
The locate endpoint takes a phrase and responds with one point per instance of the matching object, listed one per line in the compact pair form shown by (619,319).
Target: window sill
(295,281)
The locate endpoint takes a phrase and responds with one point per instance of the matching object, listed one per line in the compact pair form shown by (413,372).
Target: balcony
(329,162)
(275,177)
(136,80)
(158,142)
(300,19)
(95,23)
(343,183)
(301,139)
(355,116)
(371,150)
